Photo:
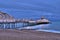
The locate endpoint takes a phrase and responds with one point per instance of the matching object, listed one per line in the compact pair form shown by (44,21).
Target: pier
(9,22)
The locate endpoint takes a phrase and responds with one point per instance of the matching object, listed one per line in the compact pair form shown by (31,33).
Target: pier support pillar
(4,26)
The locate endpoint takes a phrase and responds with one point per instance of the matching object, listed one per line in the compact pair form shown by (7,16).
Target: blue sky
(31,8)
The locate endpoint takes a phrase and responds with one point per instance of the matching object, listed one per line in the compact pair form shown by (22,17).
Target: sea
(53,27)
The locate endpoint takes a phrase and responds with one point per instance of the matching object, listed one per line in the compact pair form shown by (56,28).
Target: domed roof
(4,17)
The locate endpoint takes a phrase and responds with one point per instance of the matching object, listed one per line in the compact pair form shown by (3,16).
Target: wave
(53,31)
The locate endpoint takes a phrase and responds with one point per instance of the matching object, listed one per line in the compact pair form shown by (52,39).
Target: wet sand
(27,35)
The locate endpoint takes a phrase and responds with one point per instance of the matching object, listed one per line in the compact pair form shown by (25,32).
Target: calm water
(53,27)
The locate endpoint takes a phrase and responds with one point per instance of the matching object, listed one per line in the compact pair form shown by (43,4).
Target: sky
(31,8)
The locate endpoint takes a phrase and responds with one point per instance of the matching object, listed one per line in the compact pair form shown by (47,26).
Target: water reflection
(53,31)
(42,26)
(54,27)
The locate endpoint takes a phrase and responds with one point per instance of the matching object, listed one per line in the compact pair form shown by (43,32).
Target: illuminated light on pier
(9,22)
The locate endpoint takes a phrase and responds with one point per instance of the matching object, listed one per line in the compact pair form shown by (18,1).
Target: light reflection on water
(42,26)
(54,27)
(53,31)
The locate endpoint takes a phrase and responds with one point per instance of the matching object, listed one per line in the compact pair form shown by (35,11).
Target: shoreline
(12,34)
(52,31)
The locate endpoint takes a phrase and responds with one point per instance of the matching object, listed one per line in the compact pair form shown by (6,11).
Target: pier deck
(7,21)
